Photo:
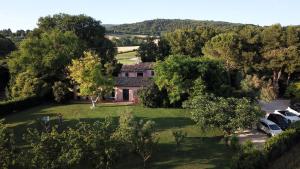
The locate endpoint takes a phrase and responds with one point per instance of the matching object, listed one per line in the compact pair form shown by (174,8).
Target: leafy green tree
(227,47)
(87,74)
(90,32)
(45,56)
(148,51)
(145,140)
(189,42)
(177,75)
(227,114)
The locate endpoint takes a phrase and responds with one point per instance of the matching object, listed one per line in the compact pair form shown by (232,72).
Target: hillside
(158,26)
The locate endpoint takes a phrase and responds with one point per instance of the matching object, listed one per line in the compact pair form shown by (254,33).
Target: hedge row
(273,149)
(12,106)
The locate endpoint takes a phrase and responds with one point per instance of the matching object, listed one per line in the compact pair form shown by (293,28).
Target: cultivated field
(127,58)
(127,49)
(201,150)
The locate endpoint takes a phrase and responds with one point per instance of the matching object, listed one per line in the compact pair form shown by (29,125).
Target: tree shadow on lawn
(32,121)
(196,152)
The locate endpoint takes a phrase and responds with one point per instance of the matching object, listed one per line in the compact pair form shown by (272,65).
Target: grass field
(127,58)
(199,151)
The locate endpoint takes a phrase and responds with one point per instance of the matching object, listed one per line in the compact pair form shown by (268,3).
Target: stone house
(130,79)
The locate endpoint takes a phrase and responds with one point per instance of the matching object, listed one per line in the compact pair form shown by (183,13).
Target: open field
(127,58)
(127,48)
(201,150)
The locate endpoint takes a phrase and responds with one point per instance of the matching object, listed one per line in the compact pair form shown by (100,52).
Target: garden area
(199,149)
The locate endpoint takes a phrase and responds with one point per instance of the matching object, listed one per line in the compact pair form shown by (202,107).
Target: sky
(23,14)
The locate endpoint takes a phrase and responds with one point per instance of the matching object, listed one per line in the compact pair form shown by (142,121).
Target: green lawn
(127,58)
(200,150)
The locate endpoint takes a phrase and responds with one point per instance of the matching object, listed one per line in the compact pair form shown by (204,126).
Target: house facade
(132,78)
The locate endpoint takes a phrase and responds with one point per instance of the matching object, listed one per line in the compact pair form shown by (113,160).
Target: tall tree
(88,75)
(45,55)
(177,74)
(87,29)
(227,47)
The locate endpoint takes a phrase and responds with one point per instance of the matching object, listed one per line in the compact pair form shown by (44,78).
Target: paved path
(269,107)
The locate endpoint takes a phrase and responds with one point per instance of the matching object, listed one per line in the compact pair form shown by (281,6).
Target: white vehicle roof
(268,122)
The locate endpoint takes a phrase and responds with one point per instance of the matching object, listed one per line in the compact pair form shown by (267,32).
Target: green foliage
(19,104)
(149,51)
(151,96)
(87,73)
(60,92)
(26,85)
(41,60)
(249,158)
(179,137)
(128,41)
(7,147)
(293,91)
(228,114)
(234,142)
(189,42)
(177,74)
(6,46)
(268,92)
(276,146)
(160,26)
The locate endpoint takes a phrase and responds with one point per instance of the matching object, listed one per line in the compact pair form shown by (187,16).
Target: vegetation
(87,72)
(127,58)
(207,150)
(159,26)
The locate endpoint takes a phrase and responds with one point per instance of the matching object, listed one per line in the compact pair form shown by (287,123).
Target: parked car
(288,115)
(268,127)
(282,122)
(296,106)
(293,111)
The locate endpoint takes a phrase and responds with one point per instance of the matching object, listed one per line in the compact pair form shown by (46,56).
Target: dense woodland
(160,26)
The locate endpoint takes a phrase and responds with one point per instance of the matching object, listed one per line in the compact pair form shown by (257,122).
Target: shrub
(293,92)
(151,96)
(268,92)
(6,147)
(281,143)
(60,92)
(179,137)
(19,104)
(234,142)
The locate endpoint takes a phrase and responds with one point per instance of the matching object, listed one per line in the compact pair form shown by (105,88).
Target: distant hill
(159,26)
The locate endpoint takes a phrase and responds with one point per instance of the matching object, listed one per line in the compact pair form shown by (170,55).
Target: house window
(139,74)
(126,74)
(152,73)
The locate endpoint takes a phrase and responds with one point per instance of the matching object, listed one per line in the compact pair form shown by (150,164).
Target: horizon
(17,15)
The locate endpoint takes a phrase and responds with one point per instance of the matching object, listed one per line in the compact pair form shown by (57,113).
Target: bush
(179,137)
(281,143)
(234,142)
(6,147)
(250,158)
(151,96)
(293,92)
(19,104)
(60,92)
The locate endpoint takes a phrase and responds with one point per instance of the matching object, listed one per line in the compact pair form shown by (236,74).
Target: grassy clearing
(127,58)
(200,150)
